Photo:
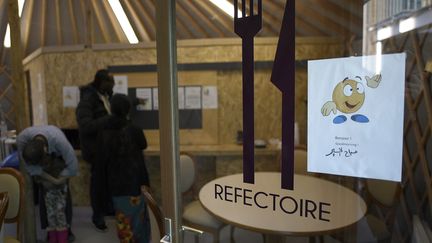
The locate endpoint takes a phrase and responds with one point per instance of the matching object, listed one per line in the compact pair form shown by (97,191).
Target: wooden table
(335,206)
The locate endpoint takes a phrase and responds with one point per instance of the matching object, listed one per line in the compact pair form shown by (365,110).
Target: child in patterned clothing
(51,160)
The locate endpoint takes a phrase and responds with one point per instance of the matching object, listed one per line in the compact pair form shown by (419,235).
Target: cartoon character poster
(355,116)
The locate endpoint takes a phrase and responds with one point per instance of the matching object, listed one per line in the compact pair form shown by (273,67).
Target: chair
(4,201)
(12,182)
(381,197)
(194,215)
(156,217)
(300,160)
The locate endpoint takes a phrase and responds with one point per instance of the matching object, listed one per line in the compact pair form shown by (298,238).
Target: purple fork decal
(247,27)
(283,77)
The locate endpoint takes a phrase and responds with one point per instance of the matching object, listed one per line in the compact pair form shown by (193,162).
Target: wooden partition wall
(52,69)
(416,193)
(208,133)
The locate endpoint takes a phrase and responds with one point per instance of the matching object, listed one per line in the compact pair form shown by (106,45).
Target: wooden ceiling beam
(355,7)
(334,9)
(136,23)
(99,19)
(272,17)
(43,22)
(344,7)
(275,11)
(187,21)
(319,21)
(197,19)
(303,28)
(26,20)
(120,34)
(280,3)
(75,34)
(350,22)
(222,20)
(148,17)
(306,29)
(58,23)
(86,11)
(305,22)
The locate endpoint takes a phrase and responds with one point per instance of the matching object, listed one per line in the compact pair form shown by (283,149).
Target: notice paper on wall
(120,85)
(155,92)
(70,96)
(181,98)
(355,116)
(144,96)
(209,97)
(193,97)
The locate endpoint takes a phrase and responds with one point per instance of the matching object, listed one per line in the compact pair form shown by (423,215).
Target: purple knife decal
(283,77)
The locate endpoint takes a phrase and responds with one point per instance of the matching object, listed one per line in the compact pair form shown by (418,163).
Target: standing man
(50,159)
(92,115)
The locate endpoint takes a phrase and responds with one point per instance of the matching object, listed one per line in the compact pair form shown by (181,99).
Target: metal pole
(168,113)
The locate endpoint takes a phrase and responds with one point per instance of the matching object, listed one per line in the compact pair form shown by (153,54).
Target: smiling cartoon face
(348,96)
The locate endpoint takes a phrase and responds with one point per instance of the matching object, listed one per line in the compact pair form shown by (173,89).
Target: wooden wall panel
(38,91)
(209,133)
(75,68)
(60,67)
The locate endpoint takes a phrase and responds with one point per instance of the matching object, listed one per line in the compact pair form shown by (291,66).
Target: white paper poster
(120,85)
(155,99)
(193,97)
(181,98)
(144,96)
(209,97)
(70,96)
(355,116)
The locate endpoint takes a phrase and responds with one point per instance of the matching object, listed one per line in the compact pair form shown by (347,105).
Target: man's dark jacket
(91,116)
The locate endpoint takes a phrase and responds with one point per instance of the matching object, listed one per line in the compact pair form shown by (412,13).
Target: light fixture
(6,41)
(123,20)
(227,7)
(407,25)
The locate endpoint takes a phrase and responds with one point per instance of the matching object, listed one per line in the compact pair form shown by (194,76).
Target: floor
(85,232)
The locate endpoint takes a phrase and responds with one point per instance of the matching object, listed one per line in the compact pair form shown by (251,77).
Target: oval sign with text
(315,206)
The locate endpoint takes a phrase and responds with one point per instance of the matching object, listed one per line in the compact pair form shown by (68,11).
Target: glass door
(361,172)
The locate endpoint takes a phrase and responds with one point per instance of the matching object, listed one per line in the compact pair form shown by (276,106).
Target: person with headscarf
(122,145)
